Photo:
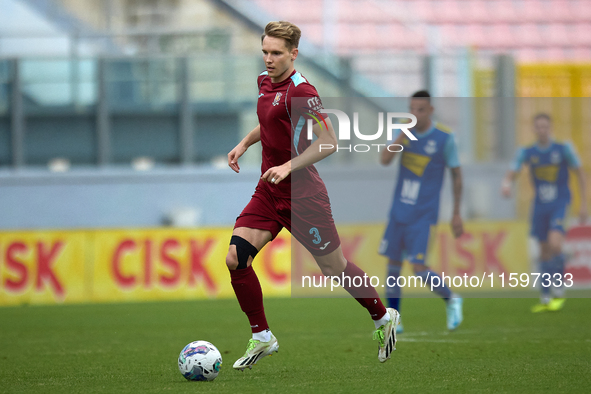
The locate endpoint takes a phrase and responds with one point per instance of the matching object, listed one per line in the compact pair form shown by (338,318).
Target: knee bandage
(244,250)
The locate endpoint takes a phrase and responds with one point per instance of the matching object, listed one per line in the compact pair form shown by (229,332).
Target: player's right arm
(512,174)
(583,213)
(251,138)
(574,162)
(507,183)
(386,156)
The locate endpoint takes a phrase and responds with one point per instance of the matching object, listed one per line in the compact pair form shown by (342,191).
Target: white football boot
(386,336)
(255,351)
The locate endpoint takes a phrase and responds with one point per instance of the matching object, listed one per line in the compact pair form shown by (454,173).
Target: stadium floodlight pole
(186,115)
(17,117)
(505,83)
(102,116)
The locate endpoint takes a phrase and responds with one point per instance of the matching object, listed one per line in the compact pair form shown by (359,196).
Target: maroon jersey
(284,133)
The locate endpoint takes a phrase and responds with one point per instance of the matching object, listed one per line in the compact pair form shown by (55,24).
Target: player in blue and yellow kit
(549,163)
(416,202)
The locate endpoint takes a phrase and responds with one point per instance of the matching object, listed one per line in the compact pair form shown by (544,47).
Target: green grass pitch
(325,346)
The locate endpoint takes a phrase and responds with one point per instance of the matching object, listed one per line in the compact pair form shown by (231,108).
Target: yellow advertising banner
(163,264)
(487,250)
(45,267)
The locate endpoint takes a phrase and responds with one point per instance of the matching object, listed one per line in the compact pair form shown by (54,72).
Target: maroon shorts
(308,219)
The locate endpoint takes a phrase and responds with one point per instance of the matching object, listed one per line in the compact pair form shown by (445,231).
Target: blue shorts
(403,241)
(548,217)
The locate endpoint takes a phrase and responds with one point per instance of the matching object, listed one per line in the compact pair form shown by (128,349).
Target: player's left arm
(324,146)
(583,213)
(512,174)
(575,164)
(452,161)
(457,224)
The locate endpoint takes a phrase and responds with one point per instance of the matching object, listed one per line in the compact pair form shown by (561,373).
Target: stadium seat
(502,37)
(581,11)
(360,37)
(526,55)
(555,54)
(476,36)
(528,35)
(558,34)
(423,10)
(403,37)
(376,12)
(581,34)
(476,11)
(533,11)
(346,12)
(451,35)
(448,11)
(581,53)
(503,11)
(313,32)
(523,26)
(360,11)
(303,11)
(560,11)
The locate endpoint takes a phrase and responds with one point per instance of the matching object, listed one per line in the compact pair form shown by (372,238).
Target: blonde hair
(286,30)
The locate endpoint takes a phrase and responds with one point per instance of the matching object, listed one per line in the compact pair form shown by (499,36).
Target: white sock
(558,292)
(452,296)
(263,336)
(383,321)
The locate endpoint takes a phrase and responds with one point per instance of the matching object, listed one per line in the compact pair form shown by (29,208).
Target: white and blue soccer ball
(200,360)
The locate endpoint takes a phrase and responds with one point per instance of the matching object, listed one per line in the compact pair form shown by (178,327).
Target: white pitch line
(432,340)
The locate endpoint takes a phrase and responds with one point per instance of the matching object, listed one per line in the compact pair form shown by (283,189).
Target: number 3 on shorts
(317,239)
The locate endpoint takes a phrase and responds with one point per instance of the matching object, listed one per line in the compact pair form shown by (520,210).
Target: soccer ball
(200,360)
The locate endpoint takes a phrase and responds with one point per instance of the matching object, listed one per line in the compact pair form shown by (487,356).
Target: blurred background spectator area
(104,88)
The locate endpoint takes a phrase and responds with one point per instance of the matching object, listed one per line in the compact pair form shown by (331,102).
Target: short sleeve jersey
(549,170)
(417,192)
(283,132)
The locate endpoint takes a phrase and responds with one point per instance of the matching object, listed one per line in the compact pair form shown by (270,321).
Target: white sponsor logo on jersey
(431,147)
(410,191)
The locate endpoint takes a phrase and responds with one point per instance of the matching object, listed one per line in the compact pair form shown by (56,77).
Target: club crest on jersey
(431,147)
(555,157)
(315,104)
(277,98)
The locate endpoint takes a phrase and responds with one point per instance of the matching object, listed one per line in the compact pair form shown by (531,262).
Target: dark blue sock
(442,290)
(546,267)
(393,292)
(558,263)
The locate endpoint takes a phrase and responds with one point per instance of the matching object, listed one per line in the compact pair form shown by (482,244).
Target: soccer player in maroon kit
(302,206)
